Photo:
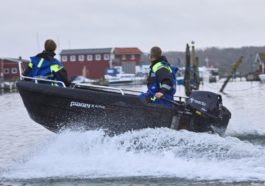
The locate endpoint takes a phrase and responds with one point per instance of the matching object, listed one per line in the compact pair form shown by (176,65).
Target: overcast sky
(170,24)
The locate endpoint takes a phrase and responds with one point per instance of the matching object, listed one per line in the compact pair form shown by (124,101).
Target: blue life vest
(155,86)
(45,69)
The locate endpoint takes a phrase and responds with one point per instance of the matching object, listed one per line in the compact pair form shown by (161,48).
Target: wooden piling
(187,72)
(196,75)
(232,72)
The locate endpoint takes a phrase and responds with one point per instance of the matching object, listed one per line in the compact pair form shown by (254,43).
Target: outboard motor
(208,112)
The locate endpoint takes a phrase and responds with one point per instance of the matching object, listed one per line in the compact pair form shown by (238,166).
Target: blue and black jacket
(44,65)
(161,78)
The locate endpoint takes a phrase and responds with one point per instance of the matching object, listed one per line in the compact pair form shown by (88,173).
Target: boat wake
(148,152)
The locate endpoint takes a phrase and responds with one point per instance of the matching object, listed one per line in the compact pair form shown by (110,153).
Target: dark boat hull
(58,108)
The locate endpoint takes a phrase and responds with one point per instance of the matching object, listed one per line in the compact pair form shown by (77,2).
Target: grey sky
(25,24)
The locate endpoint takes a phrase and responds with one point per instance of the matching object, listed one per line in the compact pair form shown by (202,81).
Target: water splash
(148,152)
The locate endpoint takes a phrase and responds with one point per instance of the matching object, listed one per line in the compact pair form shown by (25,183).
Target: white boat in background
(209,74)
(119,78)
(206,74)
(114,76)
(82,79)
(262,78)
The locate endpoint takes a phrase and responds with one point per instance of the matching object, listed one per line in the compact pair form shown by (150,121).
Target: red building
(128,58)
(127,55)
(9,69)
(92,63)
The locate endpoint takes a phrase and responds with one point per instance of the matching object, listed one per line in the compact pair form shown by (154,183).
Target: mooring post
(232,72)
(187,72)
(196,75)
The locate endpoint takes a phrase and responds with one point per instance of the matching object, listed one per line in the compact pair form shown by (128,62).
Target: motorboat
(120,78)
(262,78)
(82,79)
(115,110)
(116,76)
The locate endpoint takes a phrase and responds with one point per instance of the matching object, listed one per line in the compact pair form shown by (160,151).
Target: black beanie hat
(156,52)
(50,45)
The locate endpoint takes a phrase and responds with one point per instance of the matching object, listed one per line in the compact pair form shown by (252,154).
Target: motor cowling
(208,112)
(205,102)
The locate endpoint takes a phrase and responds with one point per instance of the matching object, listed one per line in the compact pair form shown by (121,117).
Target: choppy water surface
(31,155)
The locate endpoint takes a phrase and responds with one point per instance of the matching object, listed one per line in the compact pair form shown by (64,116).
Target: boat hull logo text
(86,105)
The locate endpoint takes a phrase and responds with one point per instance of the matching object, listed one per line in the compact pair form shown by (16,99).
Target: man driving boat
(161,81)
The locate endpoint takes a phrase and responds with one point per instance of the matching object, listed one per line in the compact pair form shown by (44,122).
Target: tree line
(222,58)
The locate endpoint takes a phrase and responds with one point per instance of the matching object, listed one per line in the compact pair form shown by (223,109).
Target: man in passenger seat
(44,65)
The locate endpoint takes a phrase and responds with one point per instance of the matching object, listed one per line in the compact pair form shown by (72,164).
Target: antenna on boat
(38,40)
(58,42)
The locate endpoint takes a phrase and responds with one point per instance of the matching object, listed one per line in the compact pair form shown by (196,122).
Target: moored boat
(114,76)
(262,78)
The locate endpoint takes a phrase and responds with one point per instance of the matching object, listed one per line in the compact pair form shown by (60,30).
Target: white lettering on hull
(86,105)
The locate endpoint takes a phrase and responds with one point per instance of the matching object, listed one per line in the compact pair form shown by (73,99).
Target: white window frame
(6,71)
(14,71)
(132,57)
(98,57)
(123,57)
(89,57)
(106,57)
(81,58)
(64,58)
(72,58)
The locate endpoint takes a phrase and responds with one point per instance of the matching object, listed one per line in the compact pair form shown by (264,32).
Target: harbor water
(32,155)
